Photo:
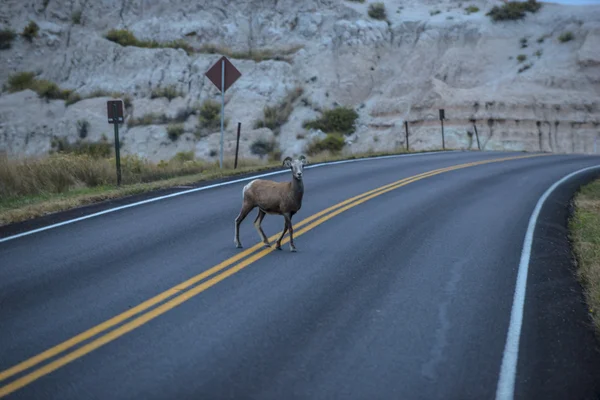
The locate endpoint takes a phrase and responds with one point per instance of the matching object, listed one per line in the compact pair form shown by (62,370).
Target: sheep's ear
(287,162)
(303,160)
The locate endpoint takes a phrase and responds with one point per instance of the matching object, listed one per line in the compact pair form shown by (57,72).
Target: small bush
(262,147)
(513,10)
(183,156)
(538,53)
(170,92)
(122,37)
(274,117)
(357,1)
(6,38)
(521,57)
(21,81)
(174,131)
(472,9)
(83,127)
(332,143)
(210,115)
(434,12)
(566,37)
(76,17)
(525,67)
(149,119)
(337,120)
(523,42)
(377,11)
(31,31)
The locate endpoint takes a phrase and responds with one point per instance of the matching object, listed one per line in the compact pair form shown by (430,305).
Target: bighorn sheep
(277,198)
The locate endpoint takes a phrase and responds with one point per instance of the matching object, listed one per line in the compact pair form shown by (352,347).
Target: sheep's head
(296,166)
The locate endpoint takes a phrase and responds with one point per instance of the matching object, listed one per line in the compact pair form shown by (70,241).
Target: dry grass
(31,188)
(585,235)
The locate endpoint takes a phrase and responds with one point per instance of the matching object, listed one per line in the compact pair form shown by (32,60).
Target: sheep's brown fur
(277,198)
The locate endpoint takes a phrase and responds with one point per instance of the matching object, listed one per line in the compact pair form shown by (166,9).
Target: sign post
(237,145)
(115,116)
(442,120)
(476,134)
(223,74)
(406,130)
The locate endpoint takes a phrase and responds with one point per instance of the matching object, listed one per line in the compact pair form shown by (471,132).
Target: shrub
(262,147)
(183,156)
(101,149)
(357,1)
(31,31)
(21,81)
(274,117)
(149,119)
(122,37)
(337,120)
(127,38)
(174,131)
(210,115)
(76,17)
(170,92)
(523,42)
(521,57)
(6,38)
(83,127)
(44,88)
(538,53)
(472,9)
(565,37)
(377,11)
(513,10)
(434,12)
(525,67)
(332,143)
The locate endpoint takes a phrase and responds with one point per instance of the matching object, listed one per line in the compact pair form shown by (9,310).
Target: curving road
(404,294)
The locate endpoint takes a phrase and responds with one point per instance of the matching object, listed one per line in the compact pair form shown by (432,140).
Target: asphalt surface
(406,296)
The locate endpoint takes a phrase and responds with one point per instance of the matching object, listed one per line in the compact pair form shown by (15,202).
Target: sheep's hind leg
(243,213)
(257,222)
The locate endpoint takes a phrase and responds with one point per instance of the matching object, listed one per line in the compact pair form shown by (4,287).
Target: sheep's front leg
(288,221)
(285,228)
(257,222)
(246,208)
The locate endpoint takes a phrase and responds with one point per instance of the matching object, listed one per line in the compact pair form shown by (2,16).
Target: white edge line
(111,210)
(508,370)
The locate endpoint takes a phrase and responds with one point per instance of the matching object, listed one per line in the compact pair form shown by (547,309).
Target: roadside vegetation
(585,236)
(377,11)
(44,88)
(127,38)
(69,178)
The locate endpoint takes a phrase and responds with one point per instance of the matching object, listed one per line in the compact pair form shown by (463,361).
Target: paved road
(405,296)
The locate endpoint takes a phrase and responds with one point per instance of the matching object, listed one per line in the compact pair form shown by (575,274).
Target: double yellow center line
(186,290)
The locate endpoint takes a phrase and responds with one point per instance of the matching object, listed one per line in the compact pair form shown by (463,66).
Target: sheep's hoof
(267,244)
(278,247)
(238,245)
(293,250)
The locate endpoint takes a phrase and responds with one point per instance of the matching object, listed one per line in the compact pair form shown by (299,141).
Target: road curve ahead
(402,288)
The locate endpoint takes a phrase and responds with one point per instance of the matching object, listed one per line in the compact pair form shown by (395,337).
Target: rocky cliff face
(402,69)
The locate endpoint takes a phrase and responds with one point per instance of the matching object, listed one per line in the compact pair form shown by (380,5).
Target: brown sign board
(115,113)
(231,74)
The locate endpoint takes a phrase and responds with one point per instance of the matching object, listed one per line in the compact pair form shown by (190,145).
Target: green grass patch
(521,57)
(170,92)
(174,131)
(332,143)
(471,9)
(584,229)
